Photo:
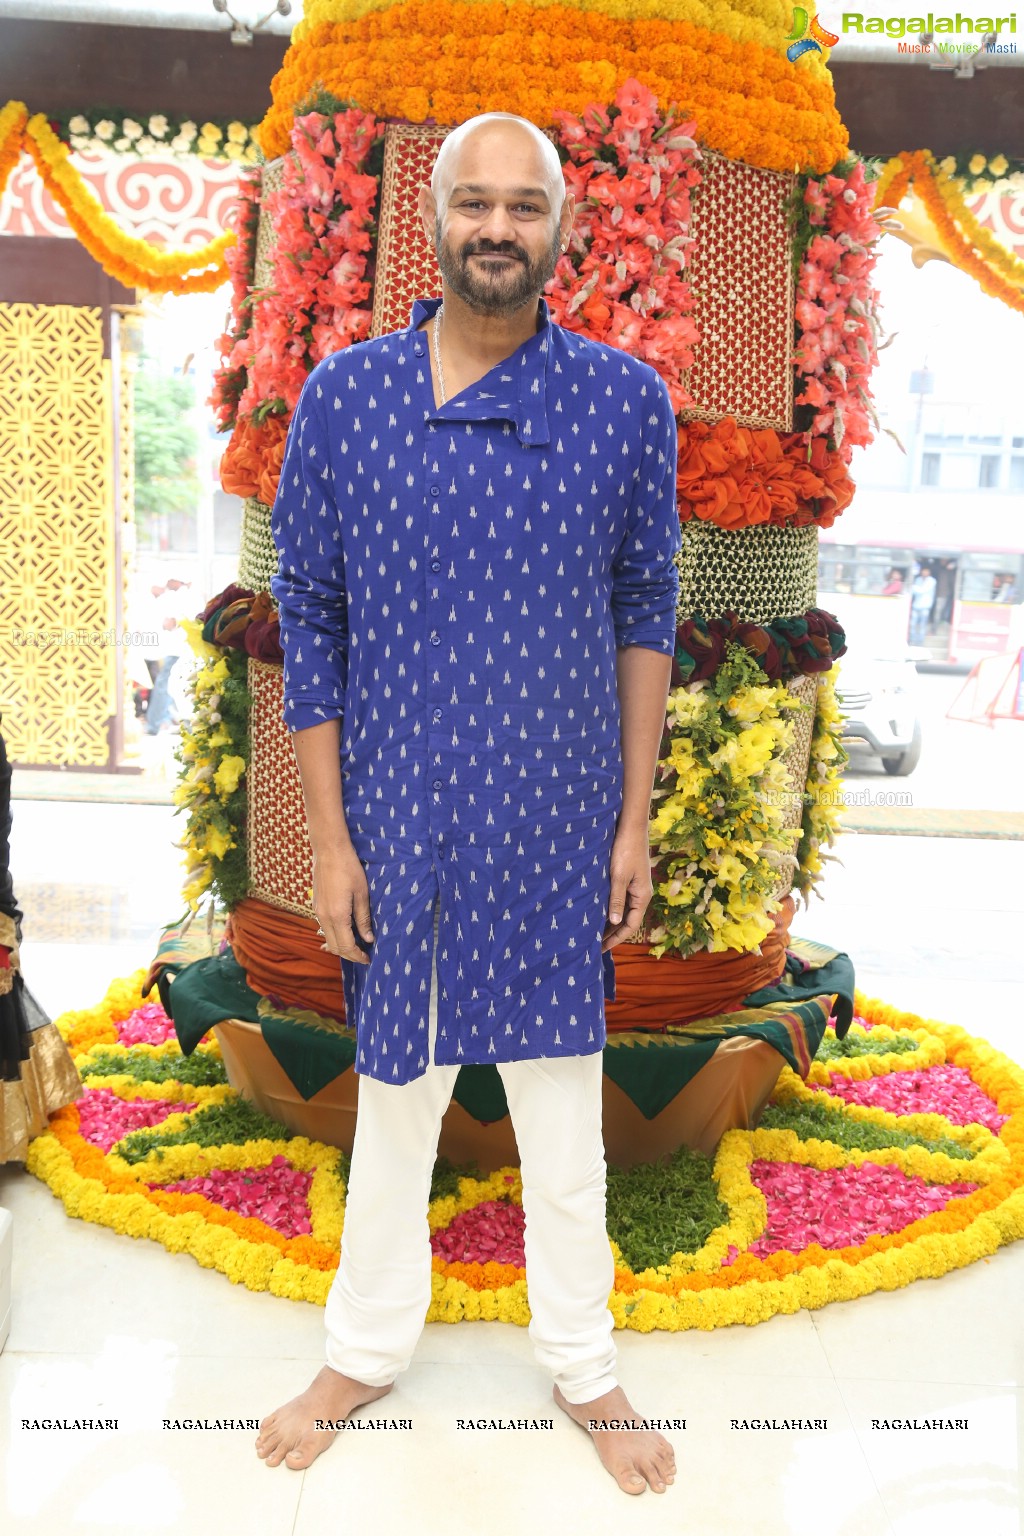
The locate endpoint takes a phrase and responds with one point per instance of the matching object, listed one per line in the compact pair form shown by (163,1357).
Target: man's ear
(567,216)
(426,205)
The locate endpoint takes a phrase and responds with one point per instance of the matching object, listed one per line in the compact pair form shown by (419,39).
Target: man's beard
(507,288)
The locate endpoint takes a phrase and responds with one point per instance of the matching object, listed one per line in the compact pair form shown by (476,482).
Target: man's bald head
(498,126)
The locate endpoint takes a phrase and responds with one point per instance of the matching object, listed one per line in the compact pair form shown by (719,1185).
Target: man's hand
(341,901)
(631,884)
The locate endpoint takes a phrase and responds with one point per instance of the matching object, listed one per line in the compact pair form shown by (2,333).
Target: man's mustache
(493,250)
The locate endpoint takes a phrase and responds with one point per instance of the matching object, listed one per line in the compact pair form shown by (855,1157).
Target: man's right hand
(341,901)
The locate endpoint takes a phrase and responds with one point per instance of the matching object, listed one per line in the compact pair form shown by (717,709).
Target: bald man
(477,586)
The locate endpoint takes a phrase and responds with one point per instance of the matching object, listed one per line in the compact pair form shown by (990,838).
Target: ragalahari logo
(807,34)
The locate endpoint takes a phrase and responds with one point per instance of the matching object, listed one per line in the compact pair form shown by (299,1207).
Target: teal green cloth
(206,993)
(649,1066)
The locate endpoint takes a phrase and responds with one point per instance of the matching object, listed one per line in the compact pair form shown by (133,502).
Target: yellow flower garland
(449,59)
(133,262)
(765,22)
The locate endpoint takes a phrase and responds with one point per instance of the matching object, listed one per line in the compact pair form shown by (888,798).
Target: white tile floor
(103,1327)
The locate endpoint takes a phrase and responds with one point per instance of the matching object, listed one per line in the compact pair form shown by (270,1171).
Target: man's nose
(499,226)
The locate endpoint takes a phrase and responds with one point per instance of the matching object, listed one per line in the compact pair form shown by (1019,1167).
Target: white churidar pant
(378,1302)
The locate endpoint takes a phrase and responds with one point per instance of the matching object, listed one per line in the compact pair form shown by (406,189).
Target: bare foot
(290,1434)
(634,1457)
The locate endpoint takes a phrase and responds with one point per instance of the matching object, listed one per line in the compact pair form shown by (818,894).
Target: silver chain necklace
(437,353)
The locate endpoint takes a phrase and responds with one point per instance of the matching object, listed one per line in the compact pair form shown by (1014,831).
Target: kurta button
(435,490)
(437,783)
(437,714)
(435,565)
(435,639)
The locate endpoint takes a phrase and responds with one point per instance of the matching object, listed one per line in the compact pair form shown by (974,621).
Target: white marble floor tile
(964,1328)
(938,1481)
(142,1476)
(761,1482)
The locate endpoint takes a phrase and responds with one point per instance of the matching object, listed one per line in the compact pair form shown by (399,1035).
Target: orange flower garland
(739,477)
(481,56)
(133,262)
(918,169)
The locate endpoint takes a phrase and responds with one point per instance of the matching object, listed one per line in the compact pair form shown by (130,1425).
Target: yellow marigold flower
(948,165)
(211,131)
(999,165)
(237,133)
(977,164)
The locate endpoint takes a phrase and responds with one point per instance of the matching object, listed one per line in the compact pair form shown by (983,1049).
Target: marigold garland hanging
(131,261)
(962,236)
(446,60)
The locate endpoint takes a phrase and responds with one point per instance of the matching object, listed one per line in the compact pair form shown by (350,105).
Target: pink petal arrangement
(104,1118)
(148,1025)
(841,1207)
(277,1194)
(939,1090)
(491,1233)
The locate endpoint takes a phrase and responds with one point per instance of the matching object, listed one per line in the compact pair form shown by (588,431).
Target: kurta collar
(515,390)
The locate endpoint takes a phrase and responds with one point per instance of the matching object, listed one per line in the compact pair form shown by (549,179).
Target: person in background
(893,583)
(176,604)
(922,596)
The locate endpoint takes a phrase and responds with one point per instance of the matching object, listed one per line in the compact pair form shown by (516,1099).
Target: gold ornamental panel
(57,576)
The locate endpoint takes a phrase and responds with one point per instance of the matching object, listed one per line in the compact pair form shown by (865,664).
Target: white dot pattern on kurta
(453,583)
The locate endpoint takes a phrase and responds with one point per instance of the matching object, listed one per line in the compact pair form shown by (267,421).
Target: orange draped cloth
(281,956)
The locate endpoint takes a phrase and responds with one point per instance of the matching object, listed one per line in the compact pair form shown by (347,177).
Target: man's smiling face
(501,216)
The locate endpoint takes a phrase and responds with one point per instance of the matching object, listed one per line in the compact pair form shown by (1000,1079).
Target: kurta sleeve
(645,577)
(309,585)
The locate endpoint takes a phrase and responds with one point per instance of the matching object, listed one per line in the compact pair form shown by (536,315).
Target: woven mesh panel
(762,573)
(406,266)
(280,858)
(741,274)
(796,762)
(258,558)
(271,178)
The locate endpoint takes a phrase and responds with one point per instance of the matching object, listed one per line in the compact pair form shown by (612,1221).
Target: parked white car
(879,697)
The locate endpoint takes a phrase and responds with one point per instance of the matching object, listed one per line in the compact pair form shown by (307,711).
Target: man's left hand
(631,885)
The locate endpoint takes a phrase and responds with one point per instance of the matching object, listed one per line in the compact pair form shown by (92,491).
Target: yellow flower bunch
(212,773)
(823,792)
(133,262)
(718,834)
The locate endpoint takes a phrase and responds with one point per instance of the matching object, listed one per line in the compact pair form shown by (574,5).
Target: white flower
(146,145)
(180,144)
(158,125)
(79,124)
(188,131)
(80,141)
(131,129)
(122,144)
(105,129)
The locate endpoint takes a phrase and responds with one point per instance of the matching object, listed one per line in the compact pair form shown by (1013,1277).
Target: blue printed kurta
(453,583)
